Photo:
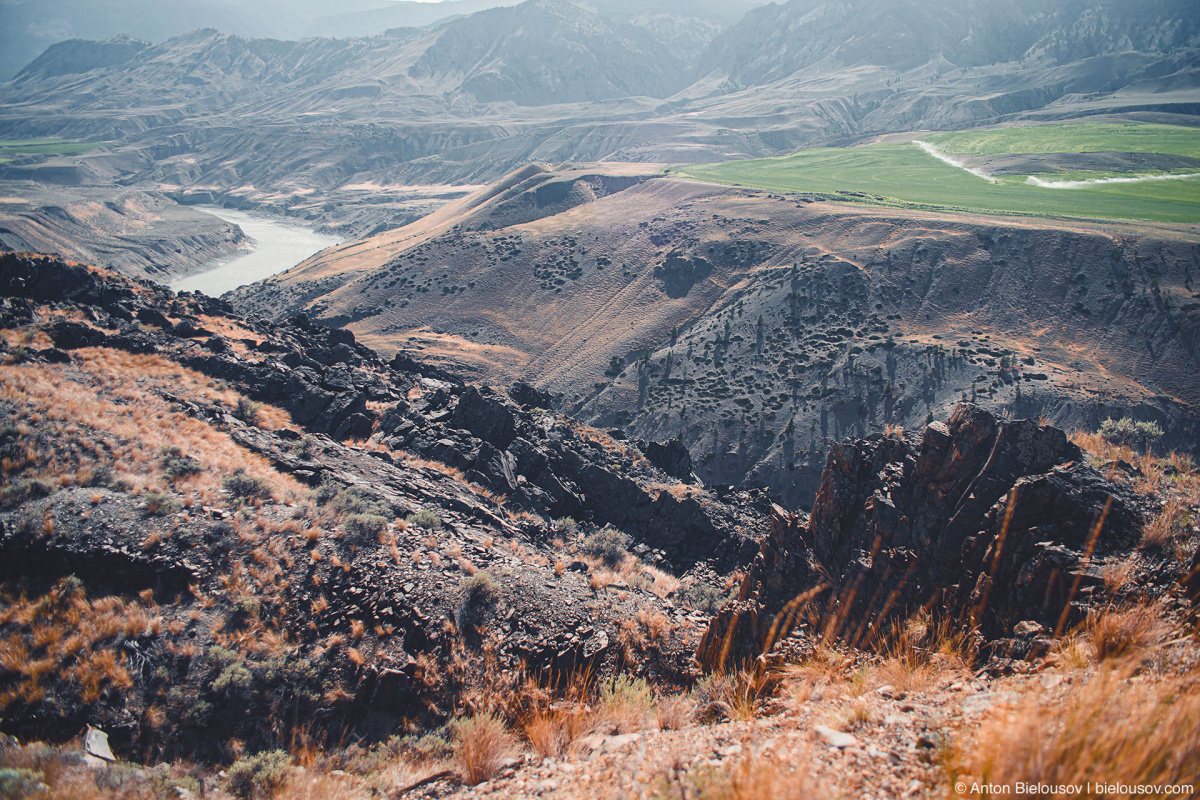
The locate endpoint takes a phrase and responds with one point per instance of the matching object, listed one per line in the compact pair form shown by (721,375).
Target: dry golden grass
(108,414)
(749,778)
(917,653)
(1169,527)
(679,491)
(601,578)
(1109,730)
(674,712)
(311,785)
(735,695)
(825,666)
(1155,470)
(456,475)
(59,638)
(482,744)
(625,704)
(31,337)
(1131,631)
(631,642)
(657,624)
(664,582)
(609,444)
(550,733)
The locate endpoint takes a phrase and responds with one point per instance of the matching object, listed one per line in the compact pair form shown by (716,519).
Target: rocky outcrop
(993,522)
(672,458)
(380,537)
(330,384)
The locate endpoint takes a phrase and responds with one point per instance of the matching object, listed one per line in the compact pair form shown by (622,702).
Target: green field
(903,175)
(1083,137)
(55,147)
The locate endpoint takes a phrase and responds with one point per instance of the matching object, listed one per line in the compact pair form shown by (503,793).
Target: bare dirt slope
(756,327)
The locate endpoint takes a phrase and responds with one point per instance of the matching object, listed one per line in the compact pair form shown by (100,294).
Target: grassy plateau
(904,175)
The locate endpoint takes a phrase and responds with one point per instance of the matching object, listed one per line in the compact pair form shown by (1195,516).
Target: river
(274,247)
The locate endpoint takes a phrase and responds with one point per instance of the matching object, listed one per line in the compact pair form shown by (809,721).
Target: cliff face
(757,329)
(1000,527)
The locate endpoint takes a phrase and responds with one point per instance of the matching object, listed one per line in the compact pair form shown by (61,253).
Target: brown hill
(757,327)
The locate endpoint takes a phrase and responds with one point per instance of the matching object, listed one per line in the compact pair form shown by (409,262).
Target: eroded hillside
(215,472)
(758,328)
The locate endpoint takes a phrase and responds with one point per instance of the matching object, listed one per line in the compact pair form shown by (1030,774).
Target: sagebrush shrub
(258,775)
(425,519)
(247,487)
(607,544)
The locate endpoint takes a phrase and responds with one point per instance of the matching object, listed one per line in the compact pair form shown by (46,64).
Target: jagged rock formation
(357,584)
(256,586)
(992,523)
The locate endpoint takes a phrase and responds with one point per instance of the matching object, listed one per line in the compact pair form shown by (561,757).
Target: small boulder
(527,395)
(835,738)
(96,750)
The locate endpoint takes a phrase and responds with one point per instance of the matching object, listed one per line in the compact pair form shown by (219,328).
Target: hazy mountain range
(30,26)
(474,97)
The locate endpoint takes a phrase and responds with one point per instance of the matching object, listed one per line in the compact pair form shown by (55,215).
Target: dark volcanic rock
(527,395)
(1192,582)
(672,458)
(488,417)
(381,536)
(74,335)
(990,521)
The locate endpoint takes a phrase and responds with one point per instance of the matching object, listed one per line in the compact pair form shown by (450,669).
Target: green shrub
(234,679)
(607,544)
(18,492)
(196,714)
(178,465)
(328,490)
(704,597)
(258,775)
(626,703)
(365,527)
(1124,431)
(432,747)
(308,446)
(10,442)
(567,525)
(165,782)
(16,784)
(247,487)
(425,519)
(351,500)
(247,410)
(161,505)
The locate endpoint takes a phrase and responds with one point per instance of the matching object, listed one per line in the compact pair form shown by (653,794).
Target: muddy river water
(274,247)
